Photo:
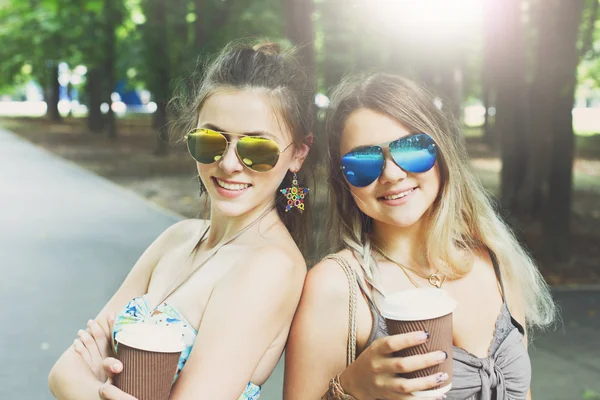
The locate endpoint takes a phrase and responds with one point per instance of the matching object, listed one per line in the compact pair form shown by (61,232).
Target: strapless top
(138,311)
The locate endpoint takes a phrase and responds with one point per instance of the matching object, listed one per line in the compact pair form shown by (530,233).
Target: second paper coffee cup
(422,310)
(150,355)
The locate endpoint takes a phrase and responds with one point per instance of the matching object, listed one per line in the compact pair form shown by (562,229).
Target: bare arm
(254,303)
(316,348)
(70,377)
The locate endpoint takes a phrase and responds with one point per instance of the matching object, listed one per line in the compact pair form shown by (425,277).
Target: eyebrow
(252,133)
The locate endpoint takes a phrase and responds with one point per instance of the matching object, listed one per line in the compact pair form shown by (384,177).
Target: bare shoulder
(184,230)
(273,263)
(483,268)
(327,280)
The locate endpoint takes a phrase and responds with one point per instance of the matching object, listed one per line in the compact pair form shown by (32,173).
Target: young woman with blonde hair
(409,211)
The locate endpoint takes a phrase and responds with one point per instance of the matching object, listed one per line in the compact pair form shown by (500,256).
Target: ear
(301,152)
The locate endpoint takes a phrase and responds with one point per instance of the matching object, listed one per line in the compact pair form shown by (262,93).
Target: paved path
(69,237)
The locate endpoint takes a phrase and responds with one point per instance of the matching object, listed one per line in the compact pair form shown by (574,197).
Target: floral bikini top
(138,311)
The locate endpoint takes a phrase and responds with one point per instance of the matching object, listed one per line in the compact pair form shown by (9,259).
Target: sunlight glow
(440,19)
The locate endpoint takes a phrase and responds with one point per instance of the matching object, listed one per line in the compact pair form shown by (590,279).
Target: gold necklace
(436,279)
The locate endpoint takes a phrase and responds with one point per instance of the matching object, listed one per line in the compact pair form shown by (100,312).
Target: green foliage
(590,395)
(350,37)
(189,33)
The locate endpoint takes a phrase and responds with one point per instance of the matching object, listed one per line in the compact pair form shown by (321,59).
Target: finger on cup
(402,365)
(110,392)
(403,385)
(394,343)
(112,366)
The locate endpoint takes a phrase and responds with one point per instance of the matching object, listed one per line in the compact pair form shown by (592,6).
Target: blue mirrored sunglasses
(415,153)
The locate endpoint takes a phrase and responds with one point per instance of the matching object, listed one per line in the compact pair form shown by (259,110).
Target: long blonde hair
(462,219)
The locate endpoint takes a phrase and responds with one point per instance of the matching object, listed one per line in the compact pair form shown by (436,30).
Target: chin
(405,220)
(231,209)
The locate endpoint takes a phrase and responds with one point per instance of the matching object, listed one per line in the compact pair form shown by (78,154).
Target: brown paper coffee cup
(150,355)
(422,310)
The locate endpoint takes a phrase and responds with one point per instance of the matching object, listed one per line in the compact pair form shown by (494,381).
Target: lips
(397,194)
(229,185)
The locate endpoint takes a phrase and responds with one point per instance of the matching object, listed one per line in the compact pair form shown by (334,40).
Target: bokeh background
(90,81)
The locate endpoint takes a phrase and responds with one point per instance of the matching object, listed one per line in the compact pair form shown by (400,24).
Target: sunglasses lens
(206,146)
(415,153)
(361,167)
(258,153)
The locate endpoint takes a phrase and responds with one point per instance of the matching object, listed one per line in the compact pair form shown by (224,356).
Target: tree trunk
(338,41)
(451,89)
(159,122)
(52,92)
(488,123)
(93,88)
(541,97)
(510,126)
(493,27)
(160,83)
(199,29)
(557,213)
(299,30)
(110,16)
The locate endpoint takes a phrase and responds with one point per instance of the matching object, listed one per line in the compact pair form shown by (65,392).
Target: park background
(90,81)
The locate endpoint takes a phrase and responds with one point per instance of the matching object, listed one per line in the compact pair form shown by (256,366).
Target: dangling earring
(295,195)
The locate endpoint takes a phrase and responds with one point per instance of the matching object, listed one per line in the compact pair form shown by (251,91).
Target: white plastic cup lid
(416,304)
(151,337)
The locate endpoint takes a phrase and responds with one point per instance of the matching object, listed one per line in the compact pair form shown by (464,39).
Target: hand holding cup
(108,391)
(375,373)
(428,310)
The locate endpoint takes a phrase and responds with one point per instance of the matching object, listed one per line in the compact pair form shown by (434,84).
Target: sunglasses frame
(383,146)
(228,142)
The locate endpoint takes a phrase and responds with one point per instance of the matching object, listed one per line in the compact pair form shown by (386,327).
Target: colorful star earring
(295,195)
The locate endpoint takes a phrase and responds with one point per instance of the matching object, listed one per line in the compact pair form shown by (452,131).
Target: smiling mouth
(232,186)
(399,195)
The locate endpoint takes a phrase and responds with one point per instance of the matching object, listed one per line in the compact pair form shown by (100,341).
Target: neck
(223,228)
(403,244)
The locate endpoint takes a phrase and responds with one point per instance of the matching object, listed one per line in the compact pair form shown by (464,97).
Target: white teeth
(232,186)
(399,195)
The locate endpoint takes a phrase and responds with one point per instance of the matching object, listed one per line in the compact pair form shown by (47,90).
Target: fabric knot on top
(492,378)
(503,375)
(491,373)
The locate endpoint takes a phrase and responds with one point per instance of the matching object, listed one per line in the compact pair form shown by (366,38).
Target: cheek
(204,170)
(431,180)
(364,199)
(269,182)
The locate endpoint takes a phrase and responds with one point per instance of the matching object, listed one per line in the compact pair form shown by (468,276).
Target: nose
(229,163)
(391,171)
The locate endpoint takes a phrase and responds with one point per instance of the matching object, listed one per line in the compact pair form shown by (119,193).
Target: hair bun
(268,48)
